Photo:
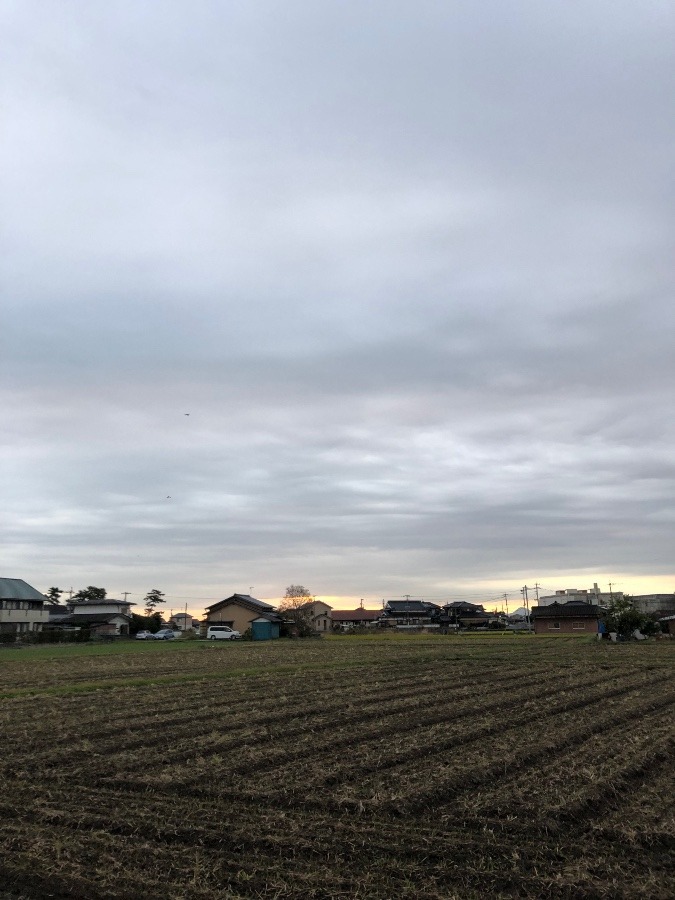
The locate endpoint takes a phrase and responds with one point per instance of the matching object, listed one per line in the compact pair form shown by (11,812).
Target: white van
(221,633)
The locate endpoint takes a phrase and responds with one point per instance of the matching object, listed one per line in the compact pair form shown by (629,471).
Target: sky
(376,298)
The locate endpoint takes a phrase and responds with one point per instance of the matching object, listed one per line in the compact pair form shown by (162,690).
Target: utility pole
(126,594)
(506,603)
(536,587)
(524,591)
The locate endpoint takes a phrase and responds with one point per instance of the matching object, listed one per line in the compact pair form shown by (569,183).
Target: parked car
(222,633)
(166,634)
(144,636)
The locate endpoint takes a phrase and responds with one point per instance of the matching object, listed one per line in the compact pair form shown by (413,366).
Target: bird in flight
(168,496)
(186,414)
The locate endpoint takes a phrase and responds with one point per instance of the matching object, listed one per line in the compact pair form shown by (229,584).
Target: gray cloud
(410,273)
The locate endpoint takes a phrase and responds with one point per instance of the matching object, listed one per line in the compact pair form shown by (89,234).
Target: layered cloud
(409,272)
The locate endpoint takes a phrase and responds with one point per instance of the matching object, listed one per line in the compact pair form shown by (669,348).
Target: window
(554,625)
(578,626)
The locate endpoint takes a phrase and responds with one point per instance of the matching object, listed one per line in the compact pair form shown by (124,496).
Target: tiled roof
(82,604)
(464,604)
(567,610)
(356,615)
(410,606)
(244,599)
(90,618)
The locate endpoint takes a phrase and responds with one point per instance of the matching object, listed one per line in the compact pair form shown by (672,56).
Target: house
(240,611)
(101,607)
(319,615)
(668,625)
(410,613)
(351,618)
(23,609)
(181,622)
(110,625)
(467,615)
(574,617)
(102,617)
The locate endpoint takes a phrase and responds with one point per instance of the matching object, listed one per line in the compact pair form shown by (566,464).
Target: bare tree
(296,595)
(295,608)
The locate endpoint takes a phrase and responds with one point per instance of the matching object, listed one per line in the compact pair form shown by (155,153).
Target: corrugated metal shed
(264,630)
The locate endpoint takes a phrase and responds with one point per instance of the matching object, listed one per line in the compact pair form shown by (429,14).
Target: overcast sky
(407,266)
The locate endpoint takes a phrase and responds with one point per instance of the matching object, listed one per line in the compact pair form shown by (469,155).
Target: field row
(493,772)
(226,850)
(246,702)
(49,667)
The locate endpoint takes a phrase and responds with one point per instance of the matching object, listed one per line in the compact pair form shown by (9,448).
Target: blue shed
(264,630)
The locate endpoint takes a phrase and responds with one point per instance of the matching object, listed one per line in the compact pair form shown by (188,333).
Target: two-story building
(22,607)
(319,615)
(103,617)
(182,621)
(410,614)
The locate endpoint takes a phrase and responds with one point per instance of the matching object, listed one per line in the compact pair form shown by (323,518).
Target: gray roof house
(22,607)
(107,617)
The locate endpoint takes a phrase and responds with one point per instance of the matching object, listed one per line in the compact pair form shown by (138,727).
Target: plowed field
(428,768)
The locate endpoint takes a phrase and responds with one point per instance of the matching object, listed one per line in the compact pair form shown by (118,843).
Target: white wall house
(111,617)
(101,607)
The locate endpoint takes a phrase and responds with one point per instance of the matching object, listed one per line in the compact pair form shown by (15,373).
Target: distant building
(350,618)
(654,604)
(410,613)
(595,595)
(468,615)
(319,615)
(104,617)
(573,617)
(181,621)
